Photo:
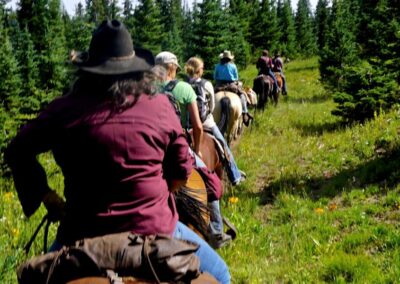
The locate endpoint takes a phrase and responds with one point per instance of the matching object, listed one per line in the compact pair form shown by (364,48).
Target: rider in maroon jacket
(265,66)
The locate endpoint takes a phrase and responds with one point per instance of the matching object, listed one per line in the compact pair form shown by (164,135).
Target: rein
(46,219)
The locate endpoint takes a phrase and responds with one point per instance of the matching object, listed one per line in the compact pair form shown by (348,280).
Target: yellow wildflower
(233,200)
(8,196)
(319,210)
(15,232)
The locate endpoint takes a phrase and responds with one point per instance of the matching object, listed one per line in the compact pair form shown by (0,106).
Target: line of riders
(121,147)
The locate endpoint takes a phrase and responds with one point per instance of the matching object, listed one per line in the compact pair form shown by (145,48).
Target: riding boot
(247,118)
(220,240)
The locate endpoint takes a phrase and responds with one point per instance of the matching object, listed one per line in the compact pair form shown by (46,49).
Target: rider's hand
(55,206)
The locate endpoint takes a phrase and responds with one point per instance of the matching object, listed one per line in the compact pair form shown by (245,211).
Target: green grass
(321,201)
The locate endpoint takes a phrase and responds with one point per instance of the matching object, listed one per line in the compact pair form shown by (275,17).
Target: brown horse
(204,278)
(263,85)
(211,154)
(279,80)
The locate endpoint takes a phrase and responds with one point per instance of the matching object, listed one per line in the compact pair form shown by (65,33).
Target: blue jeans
(270,73)
(216,223)
(210,261)
(243,100)
(231,168)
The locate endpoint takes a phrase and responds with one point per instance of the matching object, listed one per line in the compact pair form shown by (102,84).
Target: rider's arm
(235,72)
(29,176)
(196,125)
(210,89)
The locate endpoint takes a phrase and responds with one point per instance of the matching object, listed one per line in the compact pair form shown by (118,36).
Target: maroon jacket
(115,165)
(264,65)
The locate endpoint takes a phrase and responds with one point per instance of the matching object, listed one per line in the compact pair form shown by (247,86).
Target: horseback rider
(194,67)
(265,65)
(120,147)
(226,77)
(278,67)
(185,97)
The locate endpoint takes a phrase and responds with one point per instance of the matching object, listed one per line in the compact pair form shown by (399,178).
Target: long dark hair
(122,90)
(225,60)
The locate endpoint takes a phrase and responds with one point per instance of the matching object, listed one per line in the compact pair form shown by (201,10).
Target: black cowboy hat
(111,52)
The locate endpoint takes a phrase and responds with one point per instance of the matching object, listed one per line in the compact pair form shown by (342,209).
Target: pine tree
(78,31)
(34,15)
(148,26)
(237,43)
(30,101)
(54,54)
(10,83)
(172,21)
(321,21)
(287,40)
(10,89)
(187,31)
(210,32)
(372,85)
(265,33)
(306,41)
(128,17)
(243,11)
(340,49)
(96,11)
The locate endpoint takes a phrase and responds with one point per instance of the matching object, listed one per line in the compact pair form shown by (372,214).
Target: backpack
(167,90)
(202,98)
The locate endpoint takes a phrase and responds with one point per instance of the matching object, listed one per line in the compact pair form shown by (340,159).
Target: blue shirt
(226,72)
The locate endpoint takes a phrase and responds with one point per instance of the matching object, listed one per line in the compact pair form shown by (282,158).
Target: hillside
(320,204)
(321,200)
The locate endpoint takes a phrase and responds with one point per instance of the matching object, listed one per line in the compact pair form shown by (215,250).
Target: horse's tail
(192,210)
(225,114)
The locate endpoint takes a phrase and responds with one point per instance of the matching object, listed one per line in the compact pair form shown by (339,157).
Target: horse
(263,85)
(212,156)
(251,97)
(228,114)
(279,80)
(204,278)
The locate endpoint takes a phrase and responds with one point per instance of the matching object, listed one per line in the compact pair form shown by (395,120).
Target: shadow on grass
(317,129)
(381,171)
(290,68)
(321,98)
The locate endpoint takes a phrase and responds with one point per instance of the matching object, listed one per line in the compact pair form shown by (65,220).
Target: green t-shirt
(184,95)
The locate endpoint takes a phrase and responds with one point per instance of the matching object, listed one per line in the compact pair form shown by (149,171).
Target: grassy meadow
(320,204)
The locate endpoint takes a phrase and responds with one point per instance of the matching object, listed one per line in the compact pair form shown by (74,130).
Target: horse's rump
(204,278)
(191,203)
(233,125)
(279,79)
(263,86)
(212,152)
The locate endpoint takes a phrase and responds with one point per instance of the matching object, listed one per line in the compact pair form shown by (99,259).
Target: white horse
(228,114)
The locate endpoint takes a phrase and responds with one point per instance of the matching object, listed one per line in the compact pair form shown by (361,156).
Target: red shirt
(264,65)
(115,165)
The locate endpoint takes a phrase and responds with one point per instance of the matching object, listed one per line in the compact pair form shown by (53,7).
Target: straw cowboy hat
(226,54)
(111,52)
